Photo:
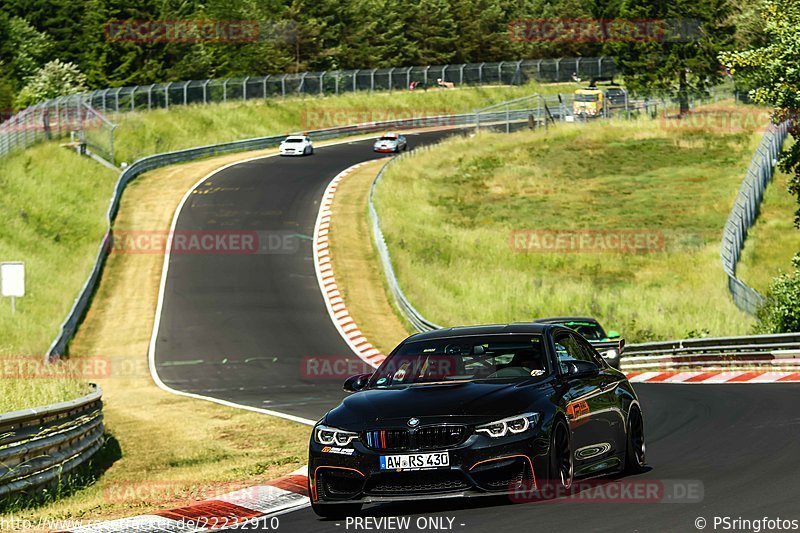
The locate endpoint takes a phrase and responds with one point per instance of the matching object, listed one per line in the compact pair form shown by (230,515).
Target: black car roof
(560,319)
(491,329)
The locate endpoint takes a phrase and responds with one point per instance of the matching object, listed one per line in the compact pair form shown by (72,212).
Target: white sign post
(12,281)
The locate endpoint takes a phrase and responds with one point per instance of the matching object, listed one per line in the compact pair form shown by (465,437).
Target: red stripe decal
(297,484)
(702,377)
(211,509)
(747,376)
(662,377)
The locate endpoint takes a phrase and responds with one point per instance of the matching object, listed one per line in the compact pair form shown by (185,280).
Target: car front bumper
(478,467)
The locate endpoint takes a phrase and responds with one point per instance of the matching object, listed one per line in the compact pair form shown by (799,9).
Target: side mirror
(613,334)
(582,369)
(356,383)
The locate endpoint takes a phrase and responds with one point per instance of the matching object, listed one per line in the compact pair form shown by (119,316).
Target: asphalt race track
(238,327)
(739,441)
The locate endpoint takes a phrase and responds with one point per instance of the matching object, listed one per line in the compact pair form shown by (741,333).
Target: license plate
(415,461)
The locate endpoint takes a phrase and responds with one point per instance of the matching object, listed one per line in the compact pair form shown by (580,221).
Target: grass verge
(356,264)
(454,217)
(166,450)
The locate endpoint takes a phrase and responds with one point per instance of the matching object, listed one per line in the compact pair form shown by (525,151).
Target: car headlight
(513,424)
(611,354)
(333,436)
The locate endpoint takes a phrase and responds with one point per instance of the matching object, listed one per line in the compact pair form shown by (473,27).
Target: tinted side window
(567,350)
(591,353)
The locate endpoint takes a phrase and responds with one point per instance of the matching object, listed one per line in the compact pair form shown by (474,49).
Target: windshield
(472,358)
(294,140)
(585,97)
(388,138)
(591,331)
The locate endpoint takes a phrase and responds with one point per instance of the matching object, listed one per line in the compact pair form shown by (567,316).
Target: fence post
(480,73)
(500,73)
(283,85)
(558,69)
(205,91)
(225,90)
(425,75)
(355,87)
(244,88)
(461,74)
(391,81)
(322,82)
(133,97)
(186,93)
(166,94)
(599,66)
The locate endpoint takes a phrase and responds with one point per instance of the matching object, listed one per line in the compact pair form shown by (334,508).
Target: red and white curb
(323,265)
(714,376)
(236,508)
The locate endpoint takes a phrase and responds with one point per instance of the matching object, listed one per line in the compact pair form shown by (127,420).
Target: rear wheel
(635,450)
(337,510)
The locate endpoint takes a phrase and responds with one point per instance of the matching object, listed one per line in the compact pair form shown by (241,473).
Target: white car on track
(296,145)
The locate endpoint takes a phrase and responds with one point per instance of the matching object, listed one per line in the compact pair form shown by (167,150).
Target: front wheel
(635,449)
(336,510)
(561,464)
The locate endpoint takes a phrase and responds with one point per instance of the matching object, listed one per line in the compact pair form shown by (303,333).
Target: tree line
(106,45)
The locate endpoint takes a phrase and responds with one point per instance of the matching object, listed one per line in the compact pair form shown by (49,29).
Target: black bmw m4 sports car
(475,411)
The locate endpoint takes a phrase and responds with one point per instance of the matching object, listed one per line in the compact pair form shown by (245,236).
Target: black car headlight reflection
(511,425)
(329,436)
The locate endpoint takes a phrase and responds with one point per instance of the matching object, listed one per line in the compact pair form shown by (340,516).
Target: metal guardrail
(745,211)
(56,117)
(411,314)
(39,446)
(772,351)
(717,344)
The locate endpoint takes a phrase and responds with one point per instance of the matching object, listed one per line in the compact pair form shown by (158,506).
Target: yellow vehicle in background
(593,101)
(588,103)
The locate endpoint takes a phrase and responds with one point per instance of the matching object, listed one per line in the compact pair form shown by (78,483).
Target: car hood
(469,402)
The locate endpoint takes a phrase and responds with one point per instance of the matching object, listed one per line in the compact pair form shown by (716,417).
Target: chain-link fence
(82,112)
(744,213)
